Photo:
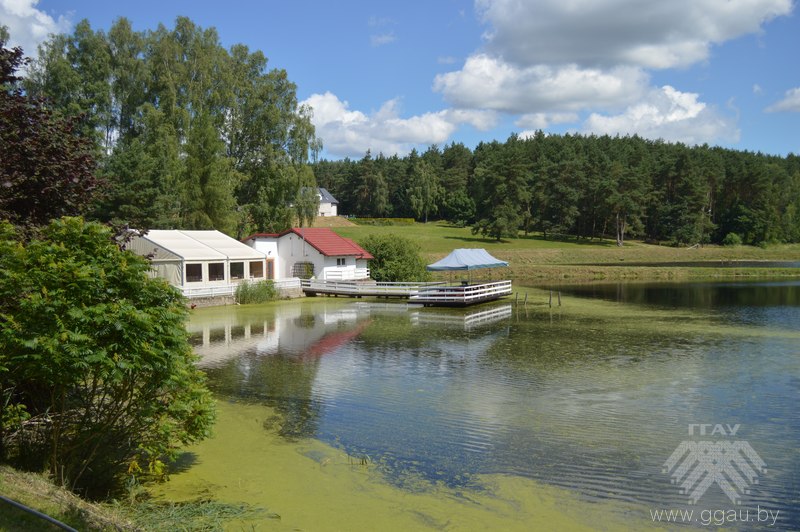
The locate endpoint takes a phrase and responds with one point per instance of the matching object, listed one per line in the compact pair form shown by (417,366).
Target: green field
(534,258)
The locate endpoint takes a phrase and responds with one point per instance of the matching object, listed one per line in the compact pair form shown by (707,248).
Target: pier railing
(463,294)
(354,288)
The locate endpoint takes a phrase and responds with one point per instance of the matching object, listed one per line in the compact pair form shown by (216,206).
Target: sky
(393,76)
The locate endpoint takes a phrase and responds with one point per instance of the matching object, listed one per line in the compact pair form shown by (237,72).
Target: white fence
(230,290)
(463,294)
(347,274)
(375,289)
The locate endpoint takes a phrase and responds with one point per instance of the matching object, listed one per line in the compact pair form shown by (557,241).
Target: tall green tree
(424,190)
(500,188)
(225,118)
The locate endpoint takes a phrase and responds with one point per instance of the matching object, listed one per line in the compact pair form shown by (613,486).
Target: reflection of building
(314,252)
(207,261)
(300,330)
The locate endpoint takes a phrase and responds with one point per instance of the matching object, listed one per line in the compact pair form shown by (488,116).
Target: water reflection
(595,404)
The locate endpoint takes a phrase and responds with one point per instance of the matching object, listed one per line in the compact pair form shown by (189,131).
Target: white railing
(465,293)
(209,291)
(364,288)
(347,274)
(287,284)
(229,290)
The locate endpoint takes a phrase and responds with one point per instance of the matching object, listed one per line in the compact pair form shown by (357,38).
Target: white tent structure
(200,262)
(466,259)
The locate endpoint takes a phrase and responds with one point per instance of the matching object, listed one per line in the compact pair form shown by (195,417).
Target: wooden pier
(427,294)
(313,287)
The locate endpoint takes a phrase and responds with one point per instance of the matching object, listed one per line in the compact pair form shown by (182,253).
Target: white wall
(327,209)
(293,249)
(269,246)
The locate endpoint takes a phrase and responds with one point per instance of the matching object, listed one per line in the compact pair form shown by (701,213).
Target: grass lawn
(533,257)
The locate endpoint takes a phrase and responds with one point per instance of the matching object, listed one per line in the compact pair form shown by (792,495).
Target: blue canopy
(466,259)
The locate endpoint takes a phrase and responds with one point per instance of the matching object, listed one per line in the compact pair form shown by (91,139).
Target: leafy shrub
(383,221)
(396,259)
(732,239)
(96,372)
(255,292)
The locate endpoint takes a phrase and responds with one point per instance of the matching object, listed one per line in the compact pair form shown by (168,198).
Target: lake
(371,415)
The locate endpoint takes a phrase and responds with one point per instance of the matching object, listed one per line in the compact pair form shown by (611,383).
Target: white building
(328,205)
(201,262)
(316,252)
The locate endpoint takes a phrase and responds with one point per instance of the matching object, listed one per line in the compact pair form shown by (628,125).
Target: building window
(270,269)
(216,271)
(256,269)
(341,262)
(194,273)
(237,270)
(303,270)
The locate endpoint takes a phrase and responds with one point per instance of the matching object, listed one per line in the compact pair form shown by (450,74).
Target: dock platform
(438,294)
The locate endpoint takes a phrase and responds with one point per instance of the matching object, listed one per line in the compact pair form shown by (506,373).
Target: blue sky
(392,76)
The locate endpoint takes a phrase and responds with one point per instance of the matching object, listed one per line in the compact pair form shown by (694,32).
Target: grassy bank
(532,258)
(36,492)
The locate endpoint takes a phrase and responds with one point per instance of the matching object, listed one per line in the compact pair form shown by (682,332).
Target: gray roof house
(328,205)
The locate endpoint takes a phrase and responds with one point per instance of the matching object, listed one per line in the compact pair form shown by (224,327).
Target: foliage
(732,239)
(97,353)
(46,166)
(384,221)
(188,133)
(255,292)
(587,187)
(396,258)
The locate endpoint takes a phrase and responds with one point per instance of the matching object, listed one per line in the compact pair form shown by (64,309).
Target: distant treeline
(189,134)
(583,186)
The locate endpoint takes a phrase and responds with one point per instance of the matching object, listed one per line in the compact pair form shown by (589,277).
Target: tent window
(194,273)
(237,270)
(303,270)
(256,269)
(216,271)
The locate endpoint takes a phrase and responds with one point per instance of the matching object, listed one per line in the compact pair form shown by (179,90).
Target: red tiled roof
(323,240)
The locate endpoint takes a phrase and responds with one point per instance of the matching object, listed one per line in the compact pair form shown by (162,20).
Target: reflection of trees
(696,295)
(283,382)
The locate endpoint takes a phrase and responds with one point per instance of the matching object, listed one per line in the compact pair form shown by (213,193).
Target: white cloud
(550,61)
(536,121)
(345,132)
(757,90)
(28,25)
(613,32)
(490,83)
(667,114)
(790,102)
(381,39)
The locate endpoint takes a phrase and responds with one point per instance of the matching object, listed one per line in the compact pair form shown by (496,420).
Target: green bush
(396,259)
(732,239)
(96,372)
(383,221)
(255,292)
